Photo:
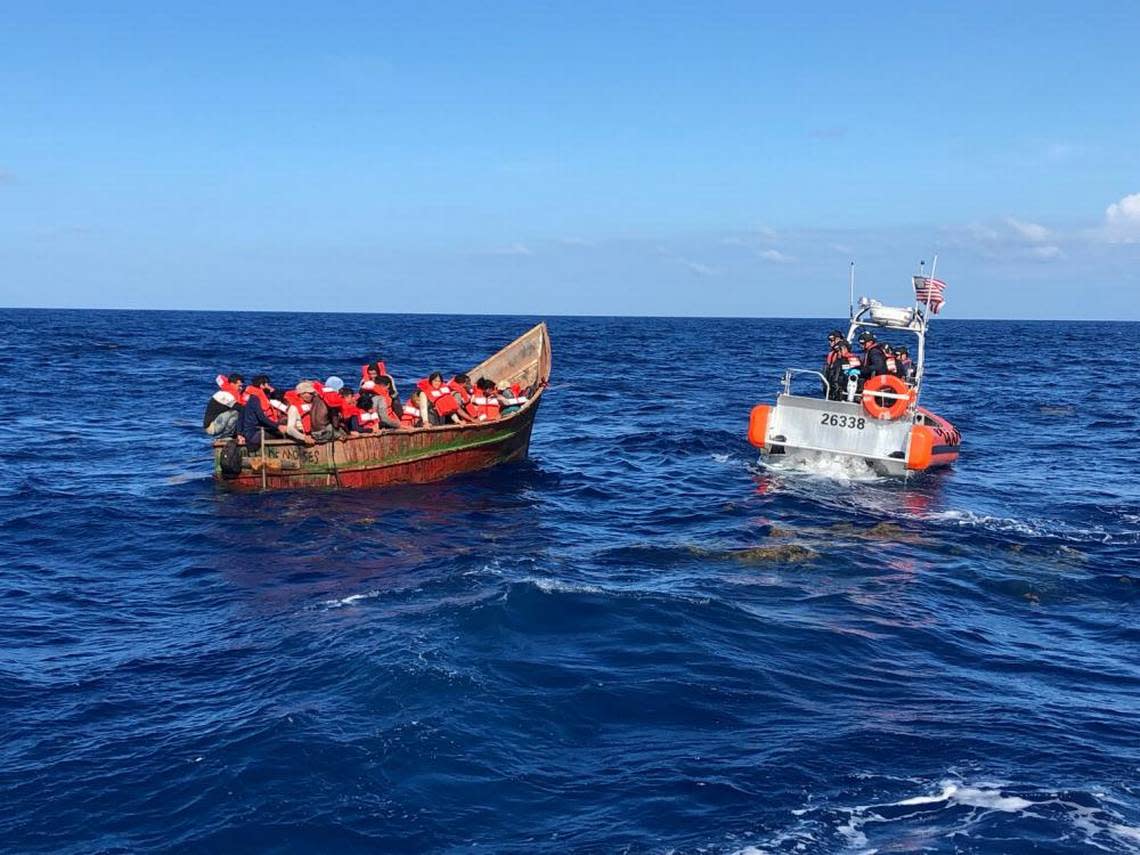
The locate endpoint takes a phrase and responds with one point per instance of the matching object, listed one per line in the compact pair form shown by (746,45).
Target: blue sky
(566,158)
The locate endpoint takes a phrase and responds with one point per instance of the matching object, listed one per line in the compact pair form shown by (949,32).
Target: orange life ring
(891,383)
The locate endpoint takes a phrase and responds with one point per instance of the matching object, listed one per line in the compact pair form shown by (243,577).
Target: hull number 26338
(835,420)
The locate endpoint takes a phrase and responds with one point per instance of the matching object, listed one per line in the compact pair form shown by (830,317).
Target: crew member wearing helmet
(874,360)
(830,361)
(842,372)
(906,365)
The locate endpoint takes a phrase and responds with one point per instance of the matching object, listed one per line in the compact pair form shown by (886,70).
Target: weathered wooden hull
(408,457)
(399,457)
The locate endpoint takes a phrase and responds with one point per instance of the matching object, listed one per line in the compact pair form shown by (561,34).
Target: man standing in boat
(874,359)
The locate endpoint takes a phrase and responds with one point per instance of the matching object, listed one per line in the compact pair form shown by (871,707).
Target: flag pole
(930,292)
(921,278)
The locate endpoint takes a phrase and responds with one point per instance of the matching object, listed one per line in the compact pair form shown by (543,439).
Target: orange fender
(921,452)
(758,425)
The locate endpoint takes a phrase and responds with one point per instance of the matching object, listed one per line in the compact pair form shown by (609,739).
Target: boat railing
(791,373)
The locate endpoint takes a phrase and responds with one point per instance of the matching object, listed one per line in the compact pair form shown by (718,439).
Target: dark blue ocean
(640,640)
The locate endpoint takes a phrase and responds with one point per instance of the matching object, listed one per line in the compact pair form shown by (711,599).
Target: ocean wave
(969,816)
(1030,528)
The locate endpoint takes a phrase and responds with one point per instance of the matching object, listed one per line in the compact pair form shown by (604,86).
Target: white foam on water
(1026,527)
(835,467)
(350,599)
(557,586)
(939,815)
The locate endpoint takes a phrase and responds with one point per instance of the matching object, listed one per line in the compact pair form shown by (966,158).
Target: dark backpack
(229,459)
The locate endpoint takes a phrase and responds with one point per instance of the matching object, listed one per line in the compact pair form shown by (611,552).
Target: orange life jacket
(294,399)
(484,407)
(382,393)
(259,397)
(516,398)
(439,399)
(230,389)
(381,369)
(367,421)
(411,416)
(371,385)
(460,390)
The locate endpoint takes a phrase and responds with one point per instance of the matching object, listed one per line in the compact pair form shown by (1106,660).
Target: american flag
(929,291)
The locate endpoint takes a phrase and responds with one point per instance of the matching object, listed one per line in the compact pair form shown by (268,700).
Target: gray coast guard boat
(880,423)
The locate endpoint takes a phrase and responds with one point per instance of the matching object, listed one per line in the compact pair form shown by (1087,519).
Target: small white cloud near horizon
(1047,252)
(1122,220)
(698,268)
(517,249)
(776,256)
(755,235)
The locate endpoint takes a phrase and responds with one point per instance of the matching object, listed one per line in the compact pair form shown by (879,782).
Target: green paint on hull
(407,456)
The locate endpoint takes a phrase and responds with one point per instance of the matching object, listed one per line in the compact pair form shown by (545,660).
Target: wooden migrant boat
(415,456)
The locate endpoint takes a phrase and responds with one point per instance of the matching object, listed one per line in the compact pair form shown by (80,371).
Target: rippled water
(638,641)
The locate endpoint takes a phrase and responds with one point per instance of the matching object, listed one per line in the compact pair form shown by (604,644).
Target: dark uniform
(874,360)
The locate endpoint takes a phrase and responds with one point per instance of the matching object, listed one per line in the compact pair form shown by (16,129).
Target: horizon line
(536,314)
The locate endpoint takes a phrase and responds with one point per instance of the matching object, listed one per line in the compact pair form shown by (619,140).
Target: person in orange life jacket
(412,413)
(325,415)
(462,391)
(892,362)
(438,405)
(513,399)
(368,419)
(906,366)
(484,405)
(223,410)
(874,360)
(374,373)
(843,372)
(832,337)
(383,400)
(353,419)
(299,419)
(257,414)
(280,404)
(258,391)
(461,388)
(829,361)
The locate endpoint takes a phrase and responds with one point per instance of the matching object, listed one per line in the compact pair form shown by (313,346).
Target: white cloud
(776,256)
(1122,220)
(758,234)
(514,249)
(1047,252)
(982,233)
(699,269)
(1032,232)
(575,241)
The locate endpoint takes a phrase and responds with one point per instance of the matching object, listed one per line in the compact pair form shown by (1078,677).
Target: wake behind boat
(414,456)
(870,407)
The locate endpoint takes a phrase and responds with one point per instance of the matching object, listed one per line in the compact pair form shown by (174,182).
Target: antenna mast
(851,303)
